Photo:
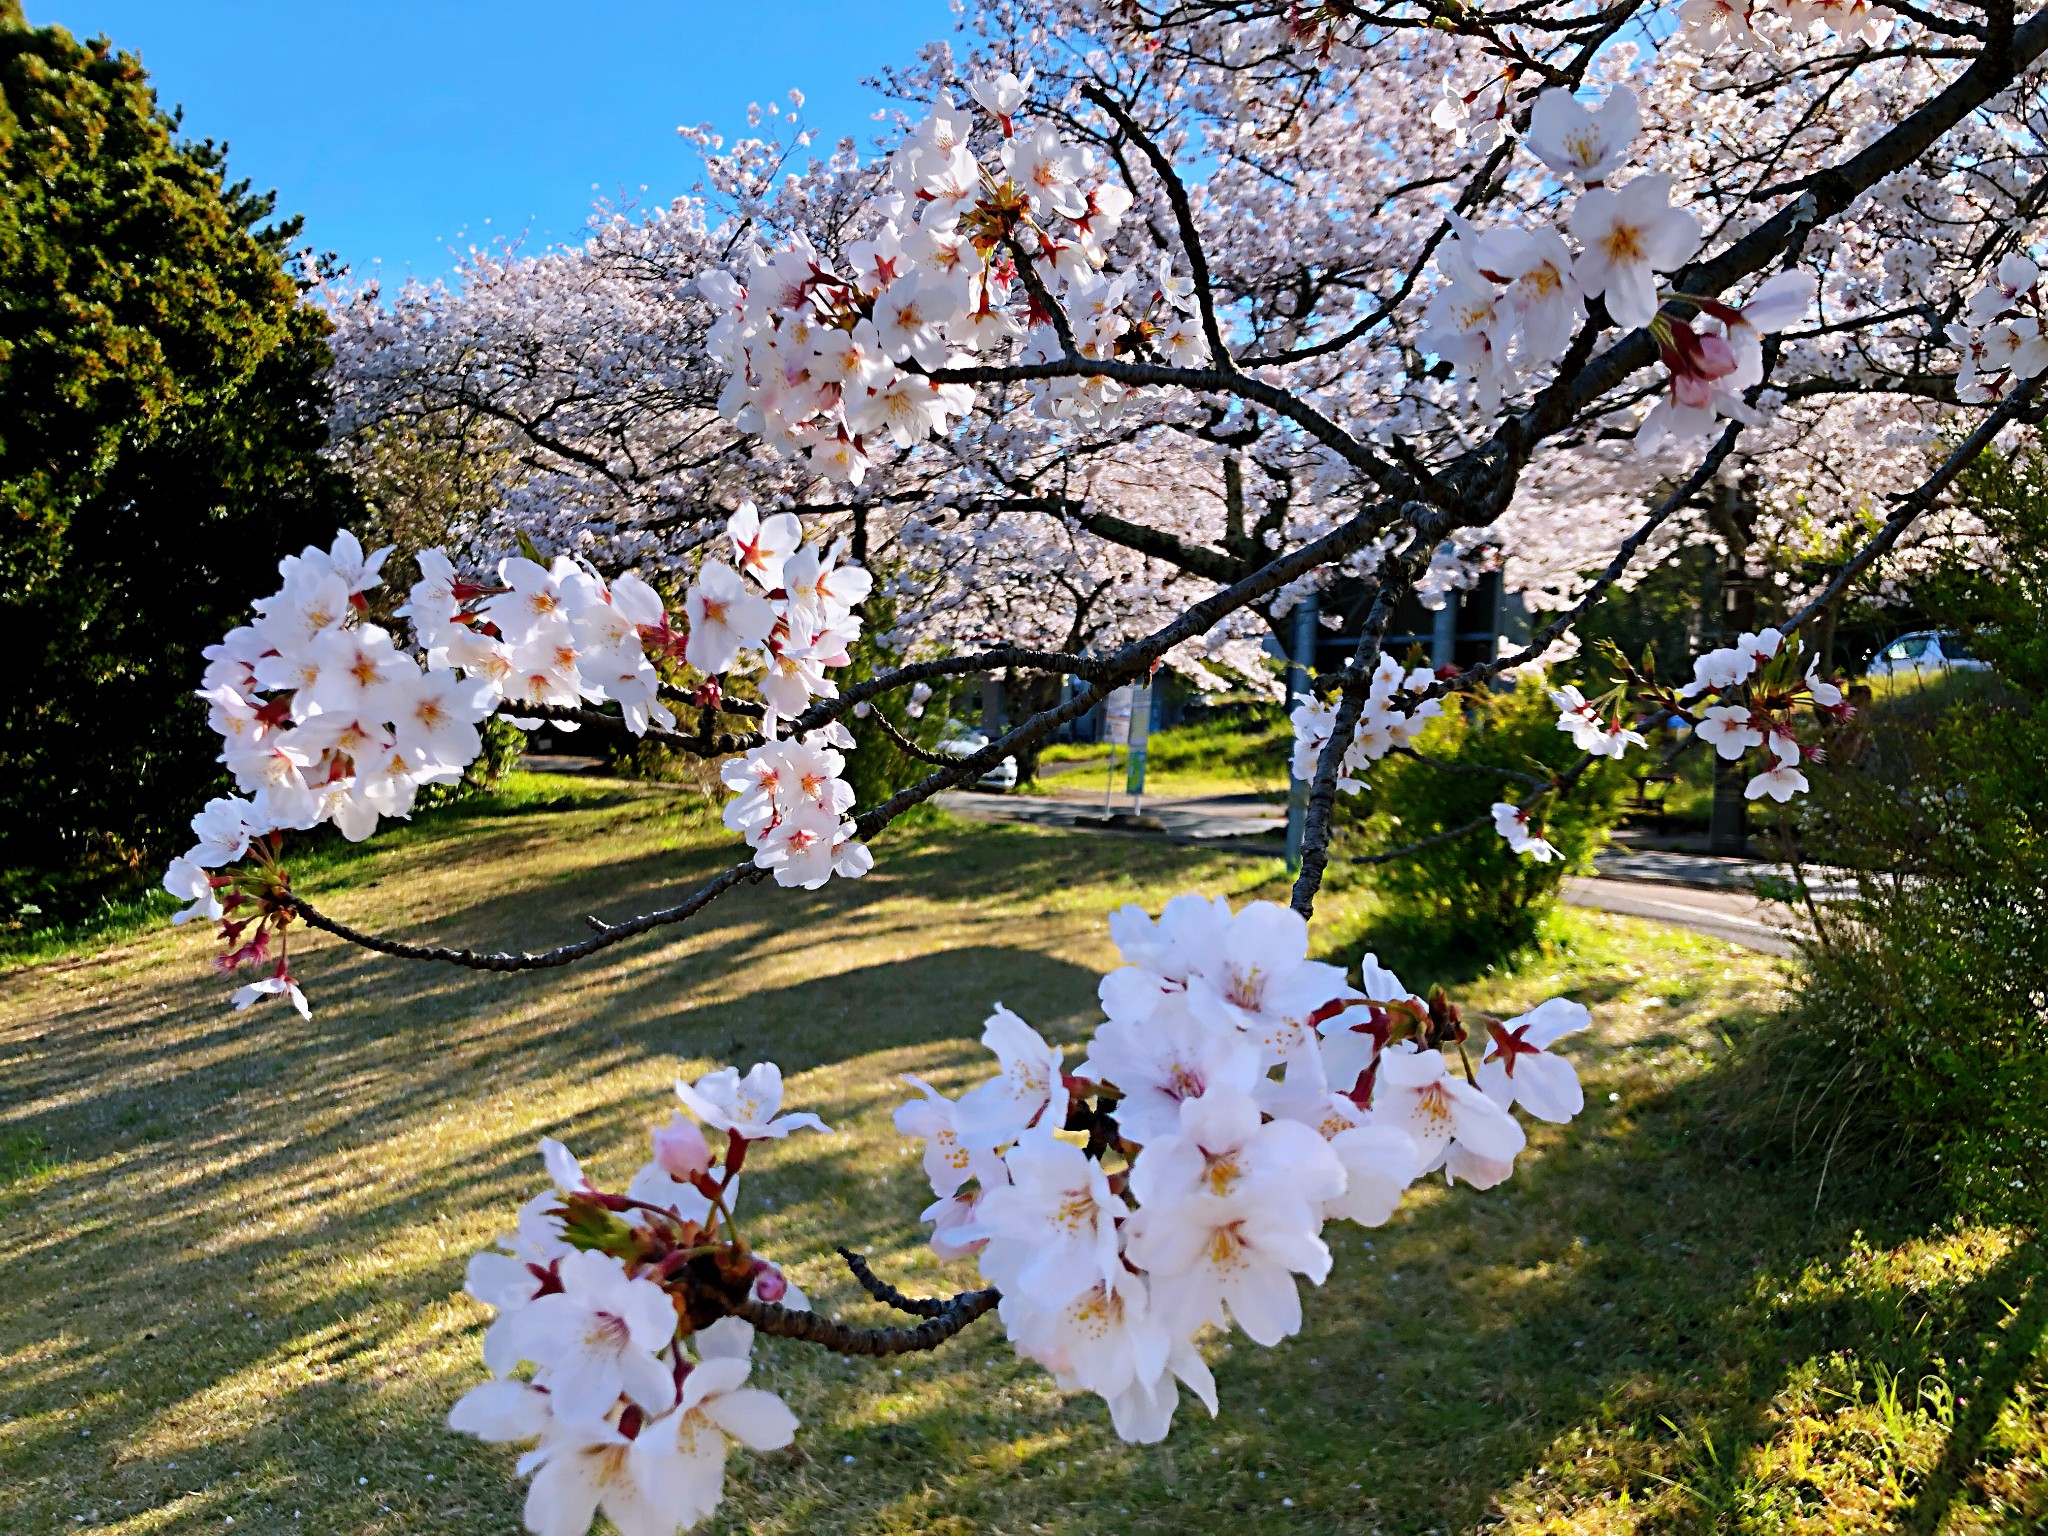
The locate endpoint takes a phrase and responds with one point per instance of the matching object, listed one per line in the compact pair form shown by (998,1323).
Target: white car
(1001,778)
(1926,650)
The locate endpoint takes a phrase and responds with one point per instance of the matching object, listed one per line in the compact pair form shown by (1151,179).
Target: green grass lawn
(233,1243)
(1217,757)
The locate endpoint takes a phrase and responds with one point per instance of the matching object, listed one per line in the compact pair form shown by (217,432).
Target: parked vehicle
(998,779)
(1926,650)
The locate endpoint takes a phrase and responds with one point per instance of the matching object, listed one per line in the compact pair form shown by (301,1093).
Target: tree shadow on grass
(1620,1318)
(1603,1343)
(222,1184)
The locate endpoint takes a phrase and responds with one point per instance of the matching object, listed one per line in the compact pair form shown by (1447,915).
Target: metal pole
(1141,733)
(1298,674)
(1443,639)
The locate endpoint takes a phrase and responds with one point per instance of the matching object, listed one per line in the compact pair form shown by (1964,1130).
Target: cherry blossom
(1222,1144)
(595,1339)
(1416,1093)
(1780,781)
(1519,1067)
(949,1159)
(791,809)
(680,1150)
(1105,1341)
(187,880)
(1231,1258)
(745,1106)
(1058,1215)
(1511,822)
(1165,1057)
(725,618)
(1726,728)
(1587,145)
(1029,1078)
(1629,235)
(282,985)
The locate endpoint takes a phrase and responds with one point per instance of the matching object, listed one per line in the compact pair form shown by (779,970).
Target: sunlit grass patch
(234,1244)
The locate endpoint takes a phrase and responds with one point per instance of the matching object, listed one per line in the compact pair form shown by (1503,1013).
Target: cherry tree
(1629,256)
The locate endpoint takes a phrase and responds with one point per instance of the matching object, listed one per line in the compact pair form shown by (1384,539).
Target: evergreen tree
(162,415)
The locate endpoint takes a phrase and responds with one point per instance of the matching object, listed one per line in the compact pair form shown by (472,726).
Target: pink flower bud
(769,1282)
(1690,354)
(680,1150)
(1716,358)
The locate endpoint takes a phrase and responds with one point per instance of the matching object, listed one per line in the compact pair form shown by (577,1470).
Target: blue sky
(402,127)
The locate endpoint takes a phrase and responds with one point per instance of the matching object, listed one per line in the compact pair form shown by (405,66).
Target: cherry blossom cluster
(2000,334)
(791,808)
(789,607)
(1512,298)
(555,635)
(1733,23)
(1513,824)
(1760,688)
(611,1350)
(831,357)
(325,718)
(1170,1181)
(1382,724)
(1597,726)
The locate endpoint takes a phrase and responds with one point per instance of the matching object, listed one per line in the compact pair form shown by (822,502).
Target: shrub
(1490,900)
(1933,975)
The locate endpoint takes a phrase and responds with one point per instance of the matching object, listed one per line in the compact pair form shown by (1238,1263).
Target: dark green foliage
(1472,895)
(1930,985)
(162,413)
(1670,612)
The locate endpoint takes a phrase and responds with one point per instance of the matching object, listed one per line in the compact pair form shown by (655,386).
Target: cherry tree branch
(607,934)
(1183,218)
(904,744)
(1133,661)
(1547,636)
(1914,503)
(1824,194)
(888,1295)
(1212,380)
(842,1339)
(1397,574)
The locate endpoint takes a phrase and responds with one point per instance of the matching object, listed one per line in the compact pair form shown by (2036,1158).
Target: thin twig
(1183,218)
(904,744)
(888,1295)
(1397,574)
(607,934)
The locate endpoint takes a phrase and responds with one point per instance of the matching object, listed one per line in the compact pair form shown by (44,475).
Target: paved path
(1708,895)
(1731,915)
(1708,872)
(1217,821)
